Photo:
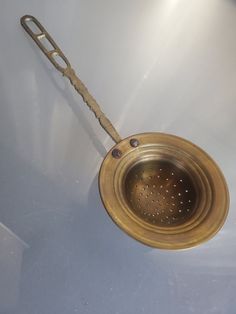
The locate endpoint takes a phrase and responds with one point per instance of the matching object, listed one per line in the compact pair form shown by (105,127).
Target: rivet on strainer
(162,190)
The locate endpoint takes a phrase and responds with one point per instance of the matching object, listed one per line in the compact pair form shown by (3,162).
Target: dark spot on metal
(116,153)
(134,142)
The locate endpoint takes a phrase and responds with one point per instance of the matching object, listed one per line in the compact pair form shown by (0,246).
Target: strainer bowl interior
(161,192)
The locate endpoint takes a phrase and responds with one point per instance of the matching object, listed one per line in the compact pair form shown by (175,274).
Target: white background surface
(166,66)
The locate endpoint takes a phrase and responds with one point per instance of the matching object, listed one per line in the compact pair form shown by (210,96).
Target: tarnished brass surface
(167,192)
(162,190)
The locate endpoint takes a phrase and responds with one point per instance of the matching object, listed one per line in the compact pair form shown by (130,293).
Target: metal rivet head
(116,153)
(134,142)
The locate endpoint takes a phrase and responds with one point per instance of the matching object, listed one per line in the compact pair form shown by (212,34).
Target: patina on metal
(162,190)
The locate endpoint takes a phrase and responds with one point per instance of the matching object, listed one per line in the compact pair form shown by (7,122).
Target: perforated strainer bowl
(160,189)
(165,192)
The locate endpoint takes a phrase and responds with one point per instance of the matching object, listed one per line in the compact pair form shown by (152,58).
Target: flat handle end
(26,17)
(39,34)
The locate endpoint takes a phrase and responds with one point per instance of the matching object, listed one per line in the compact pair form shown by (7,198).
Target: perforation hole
(33,27)
(46,43)
(60,62)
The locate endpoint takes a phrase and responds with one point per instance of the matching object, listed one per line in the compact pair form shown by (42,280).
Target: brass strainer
(161,189)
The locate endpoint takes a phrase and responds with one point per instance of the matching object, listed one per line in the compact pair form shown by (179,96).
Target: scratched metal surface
(154,66)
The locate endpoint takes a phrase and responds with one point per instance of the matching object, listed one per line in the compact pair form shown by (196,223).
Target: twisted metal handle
(61,63)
